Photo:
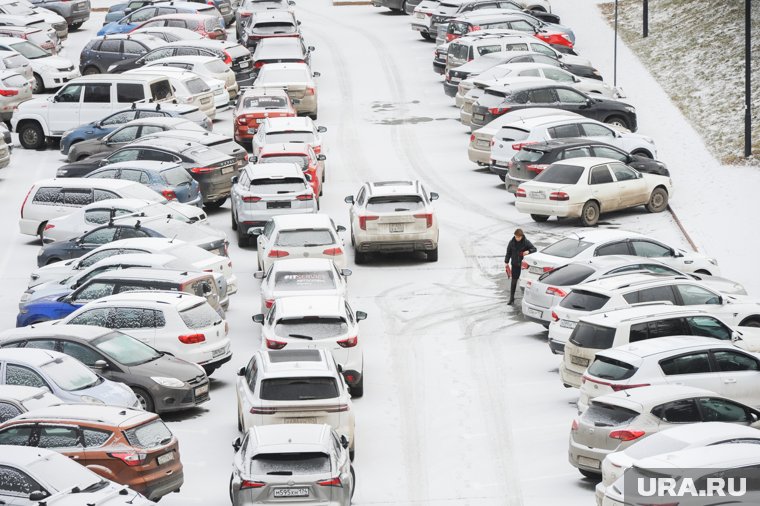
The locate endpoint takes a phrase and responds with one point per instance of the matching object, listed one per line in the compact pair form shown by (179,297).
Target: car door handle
(74,457)
(729,381)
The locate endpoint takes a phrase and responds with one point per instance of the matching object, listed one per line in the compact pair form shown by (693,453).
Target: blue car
(167,178)
(118,11)
(97,129)
(143,14)
(51,306)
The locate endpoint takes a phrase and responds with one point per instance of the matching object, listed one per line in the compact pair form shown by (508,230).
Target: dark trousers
(515,281)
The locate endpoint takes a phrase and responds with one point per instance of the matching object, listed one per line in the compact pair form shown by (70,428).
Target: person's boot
(512,292)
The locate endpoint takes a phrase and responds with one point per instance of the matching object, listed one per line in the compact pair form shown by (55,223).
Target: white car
(325,322)
(294,386)
(616,421)
(288,129)
(626,290)
(297,80)
(184,325)
(17,399)
(169,33)
(199,258)
(50,72)
(700,362)
(204,66)
(422,16)
(587,187)
(98,213)
(393,216)
(683,437)
(299,236)
(57,480)
(189,87)
(299,277)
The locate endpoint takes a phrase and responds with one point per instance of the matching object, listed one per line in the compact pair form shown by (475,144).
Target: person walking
(518,247)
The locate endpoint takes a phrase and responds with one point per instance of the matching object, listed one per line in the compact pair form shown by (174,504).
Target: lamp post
(747,78)
(614,56)
(645,21)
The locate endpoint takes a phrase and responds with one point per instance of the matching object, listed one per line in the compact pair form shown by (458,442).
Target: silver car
(303,463)
(266,190)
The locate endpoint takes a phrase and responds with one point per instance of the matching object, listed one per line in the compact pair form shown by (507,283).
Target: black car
(532,159)
(499,100)
(102,52)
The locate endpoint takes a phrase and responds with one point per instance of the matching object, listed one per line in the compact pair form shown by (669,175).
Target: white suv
(183,325)
(393,216)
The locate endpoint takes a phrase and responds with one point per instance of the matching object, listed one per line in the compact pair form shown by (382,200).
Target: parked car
(119,10)
(162,383)
(50,72)
(262,25)
(40,36)
(505,17)
(254,106)
(207,23)
(204,66)
(247,8)
(299,277)
(136,18)
(12,60)
(14,90)
(292,460)
(302,154)
(128,446)
(169,179)
(586,187)
(263,191)
(5,154)
(189,88)
(281,50)
(288,130)
(422,15)
(449,9)
(23,13)
(297,80)
(75,13)
(218,142)
(65,377)
(324,322)
(103,51)
(17,399)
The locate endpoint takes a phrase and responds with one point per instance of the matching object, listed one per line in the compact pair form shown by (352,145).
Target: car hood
(169,367)
(575,60)
(59,246)
(110,392)
(14,20)
(88,143)
(90,161)
(48,293)
(610,103)
(49,16)
(58,62)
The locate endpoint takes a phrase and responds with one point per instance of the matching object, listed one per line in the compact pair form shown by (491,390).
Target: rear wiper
(301,336)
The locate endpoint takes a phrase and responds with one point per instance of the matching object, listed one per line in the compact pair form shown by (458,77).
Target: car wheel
(242,237)
(643,152)
(39,84)
(317,204)
(215,204)
(232,478)
(353,481)
(209,369)
(432,255)
(81,157)
(31,136)
(40,231)
(351,453)
(590,474)
(324,175)
(658,201)
(539,218)
(617,121)
(427,36)
(590,214)
(234,222)
(52,261)
(358,389)
(359,257)
(503,178)
(90,70)
(239,418)
(313,116)
(74,27)
(750,322)
(146,401)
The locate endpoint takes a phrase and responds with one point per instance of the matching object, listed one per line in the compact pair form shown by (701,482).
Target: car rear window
(459,51)
(278,186)
(265,102)
(149,435)
(297,281)
(583,300)
(566,248)
(284,137)
(395,203)
(512,134)
(176,176)
(600,414)
(274,27)
(290,464)
(298,389)
(15,81)
(302,161)
(529,155)
(197,85)
(15,61)
(596,337)
(311,328)
(304,238)
(611,369)
(567,275)
(200,316)
(161,90)
(560,174)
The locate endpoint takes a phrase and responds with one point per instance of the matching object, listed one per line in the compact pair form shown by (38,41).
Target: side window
(122,117)
(250,374)
(18,435)
(361,195)
(132,47)
(557,75)
(488,49)
(349,314)
(605,152)
(650,249)
(622,172)
(111,46)
(159,319)
(530,73)
(708,326)
(161,90)
(600,175)
(94,438)
(696,295)
(693,363)
(124,155)
(59,437)
(124,287)
(82,353)
(69,94)
(596,130)
(683,411)
(570,97)
(104,194)
(733,361)
(244,180)
(664,328)
(574,153)
(97,257)
(268,229)
(42,344)
(77,198)
(153,114)
(158,54)
(127,318)
(148,319)
(131,233)
(150,129)
(142,15)
(129,92)
(160,156)
(543,50)
(655,294)
(7,411)
(517,47)
(47,196)
(522,26)
(97,216)
(126,134)
(23,376)
(639,332)
(563,131)
(104,174)
(97,93)
(613,248)
(16,483)
(270,315)
(542,96)
(130,174)
(93,291)
(723,410)
(100,236)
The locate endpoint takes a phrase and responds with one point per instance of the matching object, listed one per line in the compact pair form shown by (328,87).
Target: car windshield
(277,186)
(290,464)
(69,374)
(401,203)
(301,160)
(125,350)
(560,174)
(284,137)
(197,85)
(304,238)
(283,76)
(566,248)
(285,281)
(265,103)
(311,328)
(298,389)
(29,50)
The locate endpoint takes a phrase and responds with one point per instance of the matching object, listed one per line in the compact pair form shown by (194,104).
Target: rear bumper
(561,210)
(439,67)
(450,88)
(397,246)
(420,28)
(557,347)
(513,184)
(568,377)
(577,452)
(159,488)
(479,156)
(536,313)
(261,216)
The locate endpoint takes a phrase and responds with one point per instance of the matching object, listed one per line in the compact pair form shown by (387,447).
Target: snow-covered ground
(463,404)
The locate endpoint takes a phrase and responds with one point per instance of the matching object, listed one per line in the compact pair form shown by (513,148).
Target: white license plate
(535,313)
(455,79)
(583,362)
(537,195)
(396,227)
(566,324)
(219,352)
(299,420)
(244,65)
(291,492)
(227,170)
(536,270)
(420,15)
(165,458)
(478,116)
(482,144)
(201,390)
(589,462)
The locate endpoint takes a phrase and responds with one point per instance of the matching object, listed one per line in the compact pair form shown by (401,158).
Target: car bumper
(556,347)
(559,209)
(512,184)
(259,218)
(177,399)
(58,79)
(568,377)
(450,88)
(28,227)
(536,313)
(397,245)
(465,117)
(558,334)
(243,79)
(420,28)
(479,156)
(458,98)
(156,489)
(583,457)
(77,17)
(439,67)
(306,105)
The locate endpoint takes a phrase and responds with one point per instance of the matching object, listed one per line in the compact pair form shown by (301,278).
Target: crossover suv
(102,52)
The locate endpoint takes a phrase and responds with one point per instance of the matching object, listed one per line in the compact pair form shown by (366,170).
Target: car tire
(90,70)
(324,176)
(39,84)
(427,36)
(232,478)
(243,239)
(643,152)
(590,214)
(81,157)
(360,257)
(239,419)
(357,390)
(313,116)
(351,453)
(750,322)
(215,204)
(432,255)
(658,201)
(234,221)
(75,26)
(31,136)
(52,261)
(353,480)
(503,178)
(146,401)
(539,218)
(618,120)
(590,474)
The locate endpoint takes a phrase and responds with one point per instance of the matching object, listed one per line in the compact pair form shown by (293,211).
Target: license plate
(244,65)
(566,324)
(165,458)
(537,195)
(589,462)
(397,227)
(535,313)
(205,101)
(291,492)
(479,117)
(278,205)
(295,101)
(201,390)
(536,270)
(218,352)
(482,144)
(420,15)
(583,362)
(300,420)
(455,79)
(227,170)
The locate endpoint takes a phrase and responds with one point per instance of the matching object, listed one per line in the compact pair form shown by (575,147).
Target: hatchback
(281,50)
(189,88)
(206,66)
(136,18)
(312,164)
(169,33)
(254,106)
(167,178)
(218,142)
(205,22)
(275,23)
(130,447)
(102,52)
(297,80)
(16,399)
(287,130)
(14,89)
(46,39)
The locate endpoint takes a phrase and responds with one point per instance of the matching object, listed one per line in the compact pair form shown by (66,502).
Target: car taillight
(537,168)
(25,199)
(349,342)
(169,194)
(258,64)
(251,484)
(556,319)
(317,149)
(8,93)
(428,218)
(520,193)
(277,253)
(562,196)
(268,303)
(498,111)
(333,251)
(272,344)
(244,14)
(450,37)
(227,58)
(242,120)
(310,91)
(191,338)
(524,265)
(263,411)
(574,426)
(472,138)
(553,290)
(129,458)
(49,226)
(429,14)
(306,196)
(626,435)
(364,219)
(251,199)
(519,145)
(547,269)
(332,482)
(201,170)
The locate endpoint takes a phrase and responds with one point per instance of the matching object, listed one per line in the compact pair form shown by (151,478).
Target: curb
(683,229)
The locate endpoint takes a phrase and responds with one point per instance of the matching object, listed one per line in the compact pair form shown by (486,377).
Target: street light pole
(645,21)
(614,57)
(747,78)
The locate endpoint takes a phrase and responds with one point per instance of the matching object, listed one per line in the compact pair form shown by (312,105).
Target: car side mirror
(340,228)
(241,371)
(346,272)
(54,98)
(321,129)
(259,275)
(258,318)
(344,442)
(235,179)
(736,336)
(316,74)
(321,158)
(100,365)
(38,495)
(576,79)
(311,48)
(361,315)
(255,231)
(299,23)
(589,102)
(349,199)
(434,196)
(308,177)
(236,444)
(291,2)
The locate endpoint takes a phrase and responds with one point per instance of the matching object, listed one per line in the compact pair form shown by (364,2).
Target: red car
(257,104)
(303,154)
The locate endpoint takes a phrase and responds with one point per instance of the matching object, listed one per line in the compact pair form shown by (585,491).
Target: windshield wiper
(301,336)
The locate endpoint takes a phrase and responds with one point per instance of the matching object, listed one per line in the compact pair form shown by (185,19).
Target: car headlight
(61,172)
(168,382)
(26,295)
(630,109)
(91,399)
(713,261)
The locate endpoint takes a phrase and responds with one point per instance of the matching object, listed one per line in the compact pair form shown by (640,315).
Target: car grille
(224,9)
(459,74)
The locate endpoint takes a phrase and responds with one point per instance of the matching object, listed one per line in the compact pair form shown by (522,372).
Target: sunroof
(277,357)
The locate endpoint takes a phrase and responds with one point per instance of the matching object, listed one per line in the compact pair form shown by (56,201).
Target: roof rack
(645,281)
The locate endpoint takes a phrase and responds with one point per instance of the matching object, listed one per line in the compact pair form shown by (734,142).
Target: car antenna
(137,225)
(172,239)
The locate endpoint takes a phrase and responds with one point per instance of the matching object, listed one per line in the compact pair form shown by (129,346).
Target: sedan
(297,80)
(312,164)
(586,187)
(254,106)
